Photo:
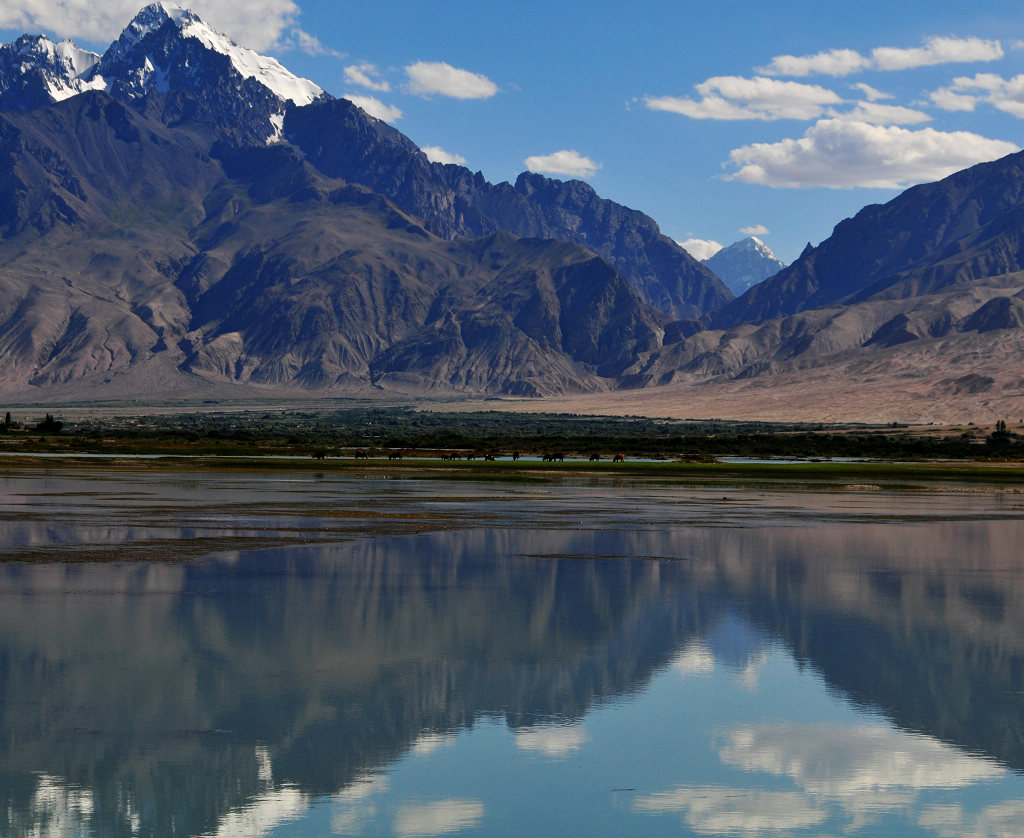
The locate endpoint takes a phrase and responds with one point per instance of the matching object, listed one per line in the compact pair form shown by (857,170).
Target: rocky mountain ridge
(205,219)
(128,247)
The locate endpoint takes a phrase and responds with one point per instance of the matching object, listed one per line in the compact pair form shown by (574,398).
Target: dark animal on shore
(550,458)
(619,458)
(395,455)
(318,455)
(595,457)
(362,455)
(489,457)
(515,456)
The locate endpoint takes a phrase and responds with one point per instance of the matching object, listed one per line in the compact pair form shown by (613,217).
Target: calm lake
(319,654)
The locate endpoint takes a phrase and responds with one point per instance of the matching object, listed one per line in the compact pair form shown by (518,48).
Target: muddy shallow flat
(71,514)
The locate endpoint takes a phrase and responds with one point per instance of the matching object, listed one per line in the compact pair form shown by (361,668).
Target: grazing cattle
(515,456)
(318,455)
(550,458)
(362,455)
(595,457)
(619,458)
(395,455)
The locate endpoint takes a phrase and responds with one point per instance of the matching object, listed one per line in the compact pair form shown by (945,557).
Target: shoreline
(810,470)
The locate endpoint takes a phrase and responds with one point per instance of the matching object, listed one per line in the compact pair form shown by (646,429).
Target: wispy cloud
(309,44)
(833,62)
(843,62)
(436,78)
(870,93)
(937,51)
(840,153)
(877,114)
(368,76)
(736,97)
(565,162)
(376,108)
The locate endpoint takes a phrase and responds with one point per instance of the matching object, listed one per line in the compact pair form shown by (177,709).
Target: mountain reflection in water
(227,696)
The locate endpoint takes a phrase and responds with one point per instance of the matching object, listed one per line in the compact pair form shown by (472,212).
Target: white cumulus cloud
(840,153)
(376,108)
(436,78)
(964,94)
(755,230)
(368,76)
(736,97)
(257,24)
(566,162)
(436,154)
(687,662)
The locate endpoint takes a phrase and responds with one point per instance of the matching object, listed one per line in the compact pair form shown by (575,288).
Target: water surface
(304,654)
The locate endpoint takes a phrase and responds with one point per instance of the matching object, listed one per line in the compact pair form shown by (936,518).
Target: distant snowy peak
(157,22)
(744,264)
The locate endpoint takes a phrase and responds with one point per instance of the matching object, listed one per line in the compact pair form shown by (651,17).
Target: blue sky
(717,119)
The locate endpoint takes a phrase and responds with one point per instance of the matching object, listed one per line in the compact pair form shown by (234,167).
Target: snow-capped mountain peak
(166,50)
(249,64)
(754,244)
(150,19)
